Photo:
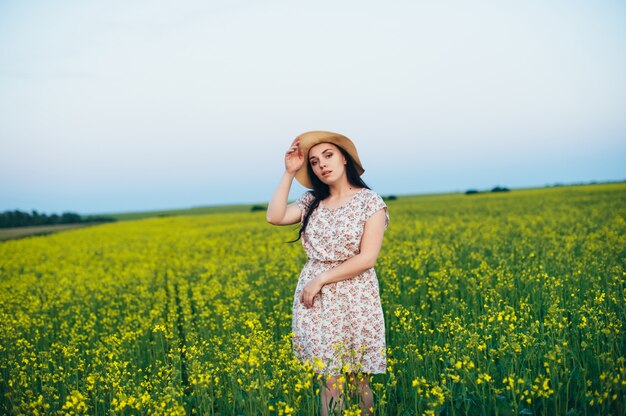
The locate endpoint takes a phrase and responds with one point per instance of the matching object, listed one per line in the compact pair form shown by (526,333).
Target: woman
(338,323)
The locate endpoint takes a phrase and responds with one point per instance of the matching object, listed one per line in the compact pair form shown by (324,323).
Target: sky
(121,106)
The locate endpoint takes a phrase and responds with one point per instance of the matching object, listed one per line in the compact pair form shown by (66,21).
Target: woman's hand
(294,158)
(310,290)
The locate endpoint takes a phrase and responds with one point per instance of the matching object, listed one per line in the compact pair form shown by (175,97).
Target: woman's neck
(340,192)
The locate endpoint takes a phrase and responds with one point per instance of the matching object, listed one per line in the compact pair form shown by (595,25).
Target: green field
(498,303)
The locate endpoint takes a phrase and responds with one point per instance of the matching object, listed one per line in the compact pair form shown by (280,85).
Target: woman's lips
(327,173)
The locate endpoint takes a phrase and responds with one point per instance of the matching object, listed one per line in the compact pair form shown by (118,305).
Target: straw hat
(311,138)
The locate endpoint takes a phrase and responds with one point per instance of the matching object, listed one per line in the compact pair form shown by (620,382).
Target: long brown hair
(321,190)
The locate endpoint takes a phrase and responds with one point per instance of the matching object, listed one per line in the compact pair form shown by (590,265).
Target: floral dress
(344,329)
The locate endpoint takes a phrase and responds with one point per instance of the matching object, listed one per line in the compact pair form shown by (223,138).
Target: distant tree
(390,198)
(69,217)
(500,189)
(258,208)
(471,191)
(18,218)
(37,218)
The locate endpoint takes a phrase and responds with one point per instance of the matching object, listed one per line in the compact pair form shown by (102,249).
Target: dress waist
(312,260)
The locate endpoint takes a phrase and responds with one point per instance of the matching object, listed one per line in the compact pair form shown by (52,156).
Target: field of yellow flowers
(501,303)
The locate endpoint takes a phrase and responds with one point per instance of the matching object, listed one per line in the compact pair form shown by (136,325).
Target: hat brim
(311,138)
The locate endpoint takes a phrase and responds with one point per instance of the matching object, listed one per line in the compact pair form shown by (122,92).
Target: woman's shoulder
(370,194)
(371,198)
(373,202)
(306,198)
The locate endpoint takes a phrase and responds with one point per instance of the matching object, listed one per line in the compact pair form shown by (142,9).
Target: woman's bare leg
(331,389)
(361,380)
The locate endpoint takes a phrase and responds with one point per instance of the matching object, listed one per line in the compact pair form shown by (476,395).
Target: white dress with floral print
(344,330)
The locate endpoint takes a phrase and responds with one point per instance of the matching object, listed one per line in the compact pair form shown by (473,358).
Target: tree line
(18,218)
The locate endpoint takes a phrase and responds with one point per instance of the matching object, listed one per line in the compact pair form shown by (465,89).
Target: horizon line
(555,184)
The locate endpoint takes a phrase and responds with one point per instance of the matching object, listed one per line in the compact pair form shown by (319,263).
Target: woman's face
(327,161)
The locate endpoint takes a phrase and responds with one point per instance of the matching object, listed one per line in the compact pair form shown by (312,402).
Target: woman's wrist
(323,278)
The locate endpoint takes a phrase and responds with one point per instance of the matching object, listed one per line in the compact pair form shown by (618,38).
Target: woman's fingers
(296,141)
(292,149)
(304,299)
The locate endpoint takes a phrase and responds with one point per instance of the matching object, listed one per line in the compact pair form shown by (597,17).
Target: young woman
(338,323)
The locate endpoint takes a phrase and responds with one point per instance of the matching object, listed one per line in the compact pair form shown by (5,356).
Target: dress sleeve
(375,203)
(304,201)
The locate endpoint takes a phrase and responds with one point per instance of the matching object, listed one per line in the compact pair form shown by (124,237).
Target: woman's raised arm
(278,212)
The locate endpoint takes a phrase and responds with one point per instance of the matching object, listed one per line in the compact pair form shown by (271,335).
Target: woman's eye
(328,155)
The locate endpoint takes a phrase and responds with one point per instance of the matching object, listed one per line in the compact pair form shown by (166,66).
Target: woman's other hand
(294,158)
(310,290)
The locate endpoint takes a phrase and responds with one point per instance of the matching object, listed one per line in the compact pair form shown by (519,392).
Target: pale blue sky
(119,106)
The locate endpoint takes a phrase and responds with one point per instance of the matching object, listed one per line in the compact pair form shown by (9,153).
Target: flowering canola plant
(508,303)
